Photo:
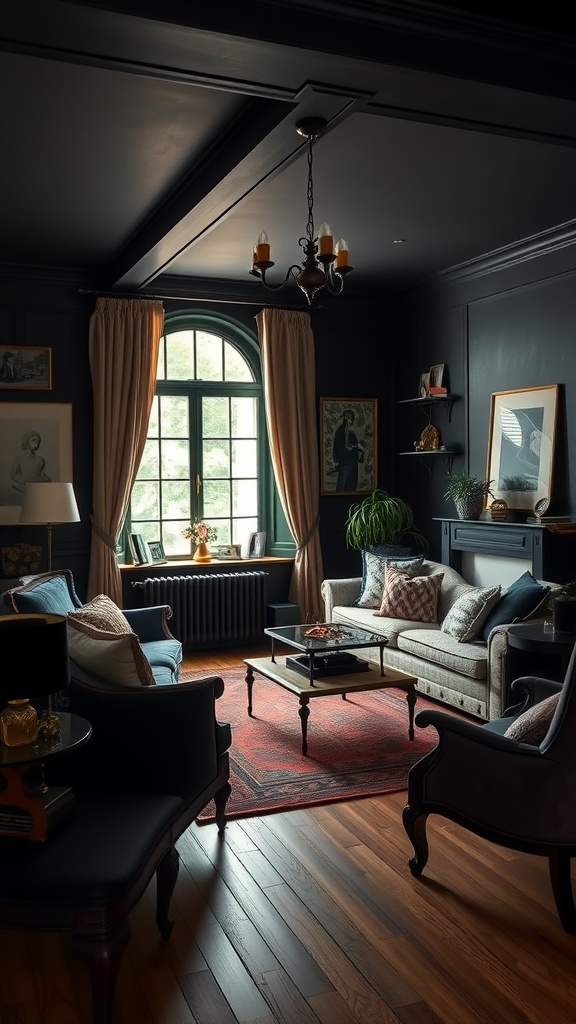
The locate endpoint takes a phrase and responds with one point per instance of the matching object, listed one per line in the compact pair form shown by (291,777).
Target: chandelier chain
(310,226)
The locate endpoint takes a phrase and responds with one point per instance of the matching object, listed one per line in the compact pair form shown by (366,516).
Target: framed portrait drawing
(521,445)
(25,368)
(348,446)
(36,447)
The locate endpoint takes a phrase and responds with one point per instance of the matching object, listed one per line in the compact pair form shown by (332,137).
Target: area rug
(356,747)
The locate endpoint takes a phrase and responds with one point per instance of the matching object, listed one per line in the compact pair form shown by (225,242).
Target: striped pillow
(414,598)
(468,614)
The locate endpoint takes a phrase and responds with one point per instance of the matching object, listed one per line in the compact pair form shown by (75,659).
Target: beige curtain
(124,342)
(289,373)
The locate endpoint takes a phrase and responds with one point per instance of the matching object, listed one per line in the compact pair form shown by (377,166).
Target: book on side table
(327,664)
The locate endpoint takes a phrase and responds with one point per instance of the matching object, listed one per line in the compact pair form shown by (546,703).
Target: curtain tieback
(309,535)
(102,535)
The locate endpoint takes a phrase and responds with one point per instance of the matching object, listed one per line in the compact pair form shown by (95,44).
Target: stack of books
(437,392)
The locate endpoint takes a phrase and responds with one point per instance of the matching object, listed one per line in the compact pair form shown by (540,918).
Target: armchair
(162,652)
(518,794)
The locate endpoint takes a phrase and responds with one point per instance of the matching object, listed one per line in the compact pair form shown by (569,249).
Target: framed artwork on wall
(348,445)
(36,447)
(25,368)
(521,441)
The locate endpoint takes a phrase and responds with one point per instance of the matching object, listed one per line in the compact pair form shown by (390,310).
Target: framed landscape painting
(25,368)
(36,447)
(521,442)
(347,445)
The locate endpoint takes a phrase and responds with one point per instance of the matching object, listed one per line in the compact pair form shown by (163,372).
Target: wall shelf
(447,456)
(426,404)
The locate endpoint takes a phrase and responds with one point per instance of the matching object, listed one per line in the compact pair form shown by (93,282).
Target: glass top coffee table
(323,643)
(308,680)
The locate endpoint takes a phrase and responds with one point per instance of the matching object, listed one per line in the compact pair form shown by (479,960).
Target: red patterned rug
(356,747)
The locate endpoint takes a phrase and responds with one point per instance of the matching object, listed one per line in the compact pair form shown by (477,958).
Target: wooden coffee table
(329,686)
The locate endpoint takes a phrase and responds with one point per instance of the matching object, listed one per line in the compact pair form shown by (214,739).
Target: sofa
(117,647)
(445,631)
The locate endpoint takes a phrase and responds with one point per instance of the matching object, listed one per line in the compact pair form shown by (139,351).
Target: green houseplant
(468,493)
(381,520)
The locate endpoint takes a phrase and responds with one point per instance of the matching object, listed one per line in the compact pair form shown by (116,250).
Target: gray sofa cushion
(438,648)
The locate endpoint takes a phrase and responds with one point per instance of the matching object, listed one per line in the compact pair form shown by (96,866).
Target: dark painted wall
(510,328)
(498,329)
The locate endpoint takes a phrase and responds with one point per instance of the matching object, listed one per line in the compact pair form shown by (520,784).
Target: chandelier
(321,267)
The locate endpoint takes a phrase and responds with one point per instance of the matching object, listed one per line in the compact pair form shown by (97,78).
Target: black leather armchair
(516,794)
(156,757)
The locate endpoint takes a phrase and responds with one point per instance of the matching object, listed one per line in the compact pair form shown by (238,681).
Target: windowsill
(178,563)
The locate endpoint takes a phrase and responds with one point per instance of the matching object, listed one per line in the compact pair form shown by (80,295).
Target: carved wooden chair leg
(560,877)
(102,954)
(415,825)
(220,800)
(166,875)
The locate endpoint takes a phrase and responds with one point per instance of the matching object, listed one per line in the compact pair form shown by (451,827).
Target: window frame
(271,519)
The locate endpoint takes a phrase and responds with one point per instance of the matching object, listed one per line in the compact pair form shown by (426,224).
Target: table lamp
(35,663)
(49,503)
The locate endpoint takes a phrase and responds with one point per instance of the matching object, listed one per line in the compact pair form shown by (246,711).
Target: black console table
(552,556)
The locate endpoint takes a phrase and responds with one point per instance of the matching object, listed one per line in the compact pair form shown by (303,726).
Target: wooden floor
(313,916)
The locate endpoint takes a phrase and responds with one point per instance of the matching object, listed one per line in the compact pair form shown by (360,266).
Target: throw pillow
(116,657)
(410,597)
(518,602)
(102,613)
(532,725)
(374,575)
(467,615)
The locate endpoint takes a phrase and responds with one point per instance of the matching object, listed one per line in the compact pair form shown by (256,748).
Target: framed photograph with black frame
(25,368)
(36,448)
(348,446)
(156,550)
(522,434)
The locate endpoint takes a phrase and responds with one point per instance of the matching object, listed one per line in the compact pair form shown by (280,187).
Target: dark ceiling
(143,139)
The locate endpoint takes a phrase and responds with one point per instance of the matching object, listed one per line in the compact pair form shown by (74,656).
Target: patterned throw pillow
(116,657)
(410,597)
(102,613)
(467,615)
(374,575)
(532,726)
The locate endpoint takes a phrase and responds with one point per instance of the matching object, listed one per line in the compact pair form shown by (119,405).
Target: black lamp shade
(34,655)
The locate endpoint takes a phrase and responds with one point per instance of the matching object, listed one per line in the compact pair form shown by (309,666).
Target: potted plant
(201,533)
(468,493)
(564,608)
(381,520)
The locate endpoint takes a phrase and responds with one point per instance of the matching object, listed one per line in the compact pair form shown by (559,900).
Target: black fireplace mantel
(552,556)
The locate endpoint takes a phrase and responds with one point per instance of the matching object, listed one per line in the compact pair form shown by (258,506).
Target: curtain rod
(189,298)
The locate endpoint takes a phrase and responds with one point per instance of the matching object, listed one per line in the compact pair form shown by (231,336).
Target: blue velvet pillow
(374,574)
(51,595)
(521,599)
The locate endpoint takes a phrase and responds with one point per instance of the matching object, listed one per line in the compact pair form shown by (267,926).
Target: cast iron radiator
(213,609)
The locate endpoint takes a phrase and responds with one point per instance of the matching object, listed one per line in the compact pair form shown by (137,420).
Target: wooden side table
(31,811)
(535,650)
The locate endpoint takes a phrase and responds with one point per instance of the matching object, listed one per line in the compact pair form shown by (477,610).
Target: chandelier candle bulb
(325,240)
(263,248)
(342,253)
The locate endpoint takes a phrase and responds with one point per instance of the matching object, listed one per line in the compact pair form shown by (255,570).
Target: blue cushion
(520,600)
(50,596)
(374,572)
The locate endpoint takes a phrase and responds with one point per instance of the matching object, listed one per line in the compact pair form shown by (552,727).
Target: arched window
(206,454)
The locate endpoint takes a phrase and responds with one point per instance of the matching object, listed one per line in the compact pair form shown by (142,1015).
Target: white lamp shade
(49,503)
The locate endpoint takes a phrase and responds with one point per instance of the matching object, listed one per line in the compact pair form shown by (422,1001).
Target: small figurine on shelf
(430,440)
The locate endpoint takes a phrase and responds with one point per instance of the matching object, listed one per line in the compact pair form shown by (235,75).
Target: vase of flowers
(201,533)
